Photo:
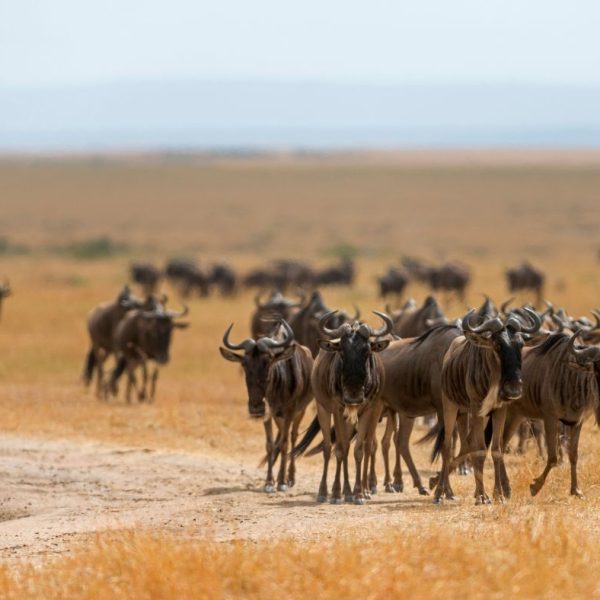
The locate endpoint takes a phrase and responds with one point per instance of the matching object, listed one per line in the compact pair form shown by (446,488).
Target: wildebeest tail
(90,363)
(431,434)
(487,434)
(119,370)
(439,441)
(319,447)
(309,436)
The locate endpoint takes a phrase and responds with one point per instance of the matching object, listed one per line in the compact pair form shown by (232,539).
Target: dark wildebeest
(413,389)
(277,371)
(187,276)
(5,291)
(223,277)
(481,375)
(412,321)
(347,380)
(448,277)
(146,275)
(102,323)
(143,335)
(393,282)
(560,386)
(276,308)
(526,277)
(341,274)
(305,322)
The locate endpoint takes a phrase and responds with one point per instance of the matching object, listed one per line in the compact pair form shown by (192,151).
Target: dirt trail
(55,491)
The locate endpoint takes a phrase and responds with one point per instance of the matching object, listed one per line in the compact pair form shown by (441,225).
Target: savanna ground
(164,500)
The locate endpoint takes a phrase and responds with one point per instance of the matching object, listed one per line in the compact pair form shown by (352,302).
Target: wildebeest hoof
(533,488)
(321,499)
(482,499)
(373,490)
(360,500)
(423,491)
(577,493)
(433,481)
(438,499)
(389,488)
(282,487)
(499,497)
(399,487)
(291,483)
(269,488)
(336,500)
(349,498)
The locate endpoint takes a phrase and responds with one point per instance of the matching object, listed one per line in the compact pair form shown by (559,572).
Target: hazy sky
(77,41)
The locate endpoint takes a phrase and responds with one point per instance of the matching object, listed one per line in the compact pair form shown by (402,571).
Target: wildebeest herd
(478,380)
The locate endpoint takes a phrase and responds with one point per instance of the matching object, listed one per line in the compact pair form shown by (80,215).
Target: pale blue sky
(74,41)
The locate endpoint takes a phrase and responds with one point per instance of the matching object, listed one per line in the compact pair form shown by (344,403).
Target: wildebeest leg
(524,433)
(142,390)
(390,430)
(100,388)
(359,452)
(371,463)
(348,431)
(292,468)
(551,427)
(450,414)
(153,384)
(341,452)
(131,382)
(538,434)
(406,427)
(325,424)
(573,455)
(501,483)
(462,426)
(478,450)
(373,415)
(398,484)
(284,439)
(270,448)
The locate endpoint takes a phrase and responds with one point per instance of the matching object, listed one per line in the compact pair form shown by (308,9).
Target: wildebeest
(146,275)
(393,282)
(305,322)
(102,323)
(412,320)
(5,291)
(276,308)
(347,381)
(187,276)
(447,277)
(340,274)
(526,277)
(481,375)
(143,335)
(223,278)
(277,371)
(412,389)
(560,386)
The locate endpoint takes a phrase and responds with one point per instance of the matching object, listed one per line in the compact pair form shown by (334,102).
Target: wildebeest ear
(181,325)
(329,345)
(379,345)
(287,353)
(229,355)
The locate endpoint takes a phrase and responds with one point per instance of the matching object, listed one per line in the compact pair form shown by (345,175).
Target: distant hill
(246,115)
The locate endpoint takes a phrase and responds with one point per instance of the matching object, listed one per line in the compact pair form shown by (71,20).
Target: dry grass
(489,216)
(537,558)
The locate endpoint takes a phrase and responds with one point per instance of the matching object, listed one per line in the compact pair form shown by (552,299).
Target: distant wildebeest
(276,308)
(526,277)
(412,320)
(223,278)
(305,322)
(448,277)
(142,336)
(481,375)
(560,386)
(146,275)
(282,275)
(187,276)
(277,371)
(347,381)
(340,274)
(5,291)
(393,282)
(102,323)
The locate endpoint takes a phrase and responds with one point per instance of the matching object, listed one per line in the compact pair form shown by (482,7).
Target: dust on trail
(55,492)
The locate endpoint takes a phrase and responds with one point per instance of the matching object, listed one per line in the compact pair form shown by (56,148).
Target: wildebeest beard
(356,368)
(161,339)
(256,369)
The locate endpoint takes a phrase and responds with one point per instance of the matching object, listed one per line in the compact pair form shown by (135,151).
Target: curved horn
(504,306)
(549,308)
(560,326)
(245,345)
(288,338)
(332,333)
(356,316)
(179,314)
(589,354)
(536,321)
(596,314)
(491,325)
(388,325)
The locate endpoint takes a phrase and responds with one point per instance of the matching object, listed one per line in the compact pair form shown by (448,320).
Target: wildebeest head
(258,358)
(506,340)
(353,344)
(157,328)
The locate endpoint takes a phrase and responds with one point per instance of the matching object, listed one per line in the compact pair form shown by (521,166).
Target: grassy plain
(488,213)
